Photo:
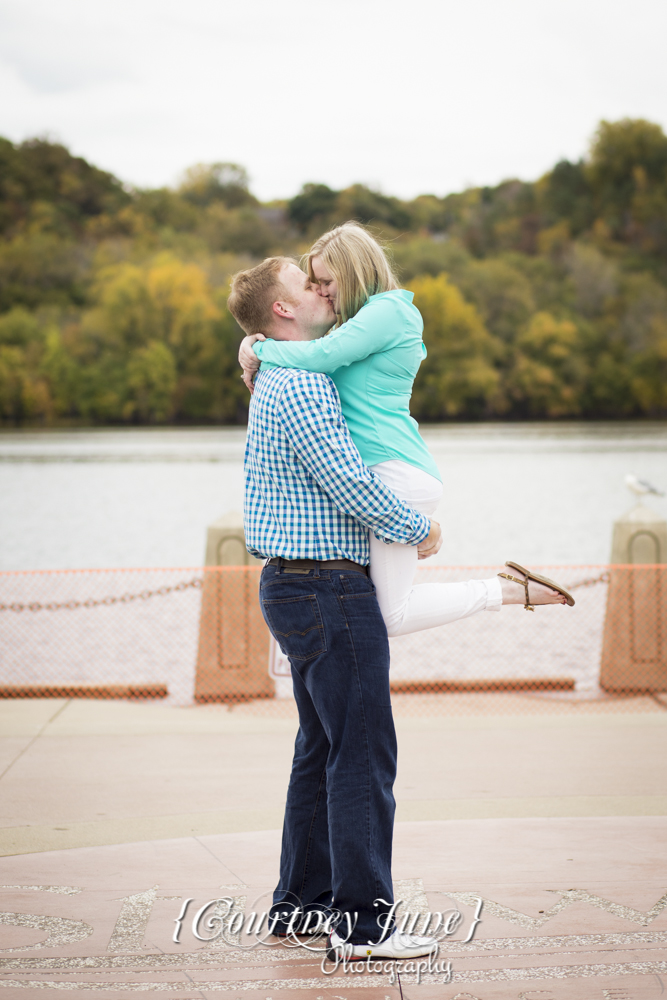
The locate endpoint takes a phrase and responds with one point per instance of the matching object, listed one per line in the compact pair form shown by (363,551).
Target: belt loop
(279,567)
(316,571)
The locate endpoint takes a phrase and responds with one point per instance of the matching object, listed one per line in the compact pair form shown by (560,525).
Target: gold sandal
(529,575)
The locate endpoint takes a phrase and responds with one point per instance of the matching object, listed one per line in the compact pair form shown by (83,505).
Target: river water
(535,493)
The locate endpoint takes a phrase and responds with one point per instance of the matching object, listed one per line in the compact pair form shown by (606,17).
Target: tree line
(541,300)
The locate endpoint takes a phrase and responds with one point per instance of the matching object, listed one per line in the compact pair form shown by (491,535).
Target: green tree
(151,378)
(41,268)
(594,279)
(209,182)
(165,209)
(19,328)
(229,399)
(565,193)
(458,378)
(422,255)
(239,230)
(163,302)
(542,299)
(373,208)
(62,374)
(13,379)
(627,171)
(23,395)
(313,204)
(502,295)
(548,371)
(42,171)
(648,377)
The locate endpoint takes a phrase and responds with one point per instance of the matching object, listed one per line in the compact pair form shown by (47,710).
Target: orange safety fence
(198,636)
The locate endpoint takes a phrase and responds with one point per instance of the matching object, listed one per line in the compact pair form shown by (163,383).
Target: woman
(373,355)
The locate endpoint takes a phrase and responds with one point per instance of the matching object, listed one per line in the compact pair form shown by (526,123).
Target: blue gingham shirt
(308,494)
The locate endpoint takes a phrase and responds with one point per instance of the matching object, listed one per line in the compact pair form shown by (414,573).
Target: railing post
(233,652)
(634,646)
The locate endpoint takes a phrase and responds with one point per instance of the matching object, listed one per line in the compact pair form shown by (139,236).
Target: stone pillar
(233,654)
(225,543)
(634,647)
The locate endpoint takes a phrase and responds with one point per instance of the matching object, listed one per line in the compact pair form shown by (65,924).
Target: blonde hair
(358,263)
(253,293)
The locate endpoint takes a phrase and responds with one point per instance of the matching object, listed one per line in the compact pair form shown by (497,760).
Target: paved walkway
(114,814)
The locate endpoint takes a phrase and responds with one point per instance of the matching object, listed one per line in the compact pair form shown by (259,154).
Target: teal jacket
(373,360)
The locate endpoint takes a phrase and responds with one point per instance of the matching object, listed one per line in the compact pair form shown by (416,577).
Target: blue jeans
(339,817)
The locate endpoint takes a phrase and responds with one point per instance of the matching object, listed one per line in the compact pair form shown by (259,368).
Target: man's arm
(312,419)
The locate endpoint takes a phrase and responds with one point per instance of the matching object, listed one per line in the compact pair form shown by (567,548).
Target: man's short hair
(253,293)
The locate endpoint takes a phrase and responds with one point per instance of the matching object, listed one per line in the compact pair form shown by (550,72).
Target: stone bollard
(634,646)
(233,653)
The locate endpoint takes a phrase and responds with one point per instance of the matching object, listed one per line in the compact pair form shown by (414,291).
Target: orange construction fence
(198,636)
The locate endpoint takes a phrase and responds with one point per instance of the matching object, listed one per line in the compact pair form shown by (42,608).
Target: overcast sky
(409,96)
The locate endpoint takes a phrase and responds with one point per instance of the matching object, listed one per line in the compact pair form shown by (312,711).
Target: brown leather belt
(305,565)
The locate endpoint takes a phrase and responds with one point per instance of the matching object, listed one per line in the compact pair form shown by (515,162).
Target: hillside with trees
(541,300)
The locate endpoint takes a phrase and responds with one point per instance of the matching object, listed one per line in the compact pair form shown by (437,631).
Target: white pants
(407,608)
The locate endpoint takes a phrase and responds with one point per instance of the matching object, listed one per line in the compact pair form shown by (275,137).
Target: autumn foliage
(541,300)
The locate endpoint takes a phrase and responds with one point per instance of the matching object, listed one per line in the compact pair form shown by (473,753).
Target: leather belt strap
(305,565)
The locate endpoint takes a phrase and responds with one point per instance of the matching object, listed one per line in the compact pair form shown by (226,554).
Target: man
(309,504)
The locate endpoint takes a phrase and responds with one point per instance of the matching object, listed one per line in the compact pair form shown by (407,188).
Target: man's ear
(282,310)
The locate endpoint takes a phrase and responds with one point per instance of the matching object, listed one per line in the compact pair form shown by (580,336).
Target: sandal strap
(524,583)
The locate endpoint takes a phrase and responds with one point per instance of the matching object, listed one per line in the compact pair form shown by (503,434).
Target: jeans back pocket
(296,624)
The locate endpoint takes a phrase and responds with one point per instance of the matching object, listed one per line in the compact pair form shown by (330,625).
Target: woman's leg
(410,608)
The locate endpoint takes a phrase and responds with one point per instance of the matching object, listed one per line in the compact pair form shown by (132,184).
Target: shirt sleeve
(375,328)
(312,419)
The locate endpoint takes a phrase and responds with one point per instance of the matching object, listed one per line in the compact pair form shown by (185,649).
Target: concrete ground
(113,814)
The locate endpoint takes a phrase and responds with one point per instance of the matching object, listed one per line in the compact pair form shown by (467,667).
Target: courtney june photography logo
(223,922)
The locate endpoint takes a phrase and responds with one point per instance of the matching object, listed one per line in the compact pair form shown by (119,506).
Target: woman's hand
(248,360)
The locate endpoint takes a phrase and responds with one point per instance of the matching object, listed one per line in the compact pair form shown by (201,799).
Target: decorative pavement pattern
(537,939)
